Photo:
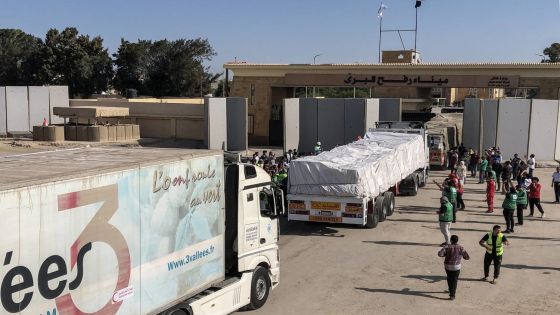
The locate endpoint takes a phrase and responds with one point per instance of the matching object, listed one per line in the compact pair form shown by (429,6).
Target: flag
(418,3)
(382,8)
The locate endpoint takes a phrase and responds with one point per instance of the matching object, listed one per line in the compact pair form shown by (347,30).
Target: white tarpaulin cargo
(364,168)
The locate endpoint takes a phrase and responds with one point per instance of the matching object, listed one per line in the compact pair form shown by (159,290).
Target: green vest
(494,176)
(499,245)
(451,194)
(483,165)
(511,202)
(446,214)
(318,149)
(522,197)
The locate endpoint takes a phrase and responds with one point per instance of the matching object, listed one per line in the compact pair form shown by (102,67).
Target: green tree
(21,58)
(164,68)
(553,53)
(77,61)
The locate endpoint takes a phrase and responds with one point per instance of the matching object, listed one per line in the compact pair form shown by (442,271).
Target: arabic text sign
(380,80)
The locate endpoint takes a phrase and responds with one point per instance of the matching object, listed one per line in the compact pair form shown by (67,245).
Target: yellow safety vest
(499,244)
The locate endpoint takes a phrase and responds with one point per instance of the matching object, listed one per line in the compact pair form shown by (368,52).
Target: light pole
(314,62)
(315,57)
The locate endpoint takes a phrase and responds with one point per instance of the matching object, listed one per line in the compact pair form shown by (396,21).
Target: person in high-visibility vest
(318,148)
(493,242)
(521,203)
(509,205)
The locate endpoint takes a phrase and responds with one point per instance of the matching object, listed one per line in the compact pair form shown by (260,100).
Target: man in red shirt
(490,192)
(535,197)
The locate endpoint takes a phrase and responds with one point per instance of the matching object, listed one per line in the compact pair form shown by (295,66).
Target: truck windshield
(266,202)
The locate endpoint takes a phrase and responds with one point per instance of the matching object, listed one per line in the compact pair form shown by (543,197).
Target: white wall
(513,127)
(372,112)
(38,105)
(489,122)
(215,123)
(58,97)
(3,114)
(17,108)
(291,123)
(543,129)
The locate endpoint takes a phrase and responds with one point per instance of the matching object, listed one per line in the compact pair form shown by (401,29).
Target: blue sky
(293,31)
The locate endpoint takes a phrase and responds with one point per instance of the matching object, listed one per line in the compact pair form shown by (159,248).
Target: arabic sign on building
(364,80)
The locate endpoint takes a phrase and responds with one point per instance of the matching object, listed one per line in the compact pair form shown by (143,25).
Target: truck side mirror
(279,201)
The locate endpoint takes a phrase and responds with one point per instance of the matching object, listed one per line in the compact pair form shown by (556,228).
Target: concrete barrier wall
(58,97)
(17,108)
(372,112)
(3,111)
(330,118)
(308,124)
(38,105)
(236,108)
(291,123)
(557,151)
(471,123)
(390,109)
(543,129)
(215,123)
(513,127)
(489,122)
(354,119)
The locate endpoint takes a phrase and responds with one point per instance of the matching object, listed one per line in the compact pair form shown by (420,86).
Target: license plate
(326,213)
(315,218)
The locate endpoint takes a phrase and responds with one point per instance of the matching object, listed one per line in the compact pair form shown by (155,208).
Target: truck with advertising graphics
(132,231)
(356,183)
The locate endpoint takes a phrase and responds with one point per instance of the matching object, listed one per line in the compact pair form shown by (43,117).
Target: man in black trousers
(453,254)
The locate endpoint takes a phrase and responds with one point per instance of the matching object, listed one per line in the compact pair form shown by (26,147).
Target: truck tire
(181,309)
(414,190)
(260,287)
(389,199)
(383,209)
(372,219)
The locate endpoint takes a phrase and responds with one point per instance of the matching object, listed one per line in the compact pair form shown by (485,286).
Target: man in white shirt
(532,165)
(556,184)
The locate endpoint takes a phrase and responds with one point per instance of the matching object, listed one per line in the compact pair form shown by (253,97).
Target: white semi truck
(356,183)
(136,231)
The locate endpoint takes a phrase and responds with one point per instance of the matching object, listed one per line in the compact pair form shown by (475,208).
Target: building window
(252,102)
(251,124)
(473,92)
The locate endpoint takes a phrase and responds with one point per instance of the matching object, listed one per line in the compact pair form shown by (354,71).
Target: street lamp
(315,57)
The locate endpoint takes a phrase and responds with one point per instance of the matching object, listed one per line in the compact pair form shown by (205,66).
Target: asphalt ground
(394,268)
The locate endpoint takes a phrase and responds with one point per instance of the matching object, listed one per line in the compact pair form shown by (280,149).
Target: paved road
(394,269)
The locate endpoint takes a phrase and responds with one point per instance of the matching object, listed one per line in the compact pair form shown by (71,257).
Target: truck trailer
(136,231)
(356,183)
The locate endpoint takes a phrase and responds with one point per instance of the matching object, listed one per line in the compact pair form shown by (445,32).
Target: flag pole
(380,33)
(416,30)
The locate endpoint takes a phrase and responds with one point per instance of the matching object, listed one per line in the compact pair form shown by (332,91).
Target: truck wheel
(414,191)
(424,179)
(260,287)
(389,200)
(181,309)
(373,215)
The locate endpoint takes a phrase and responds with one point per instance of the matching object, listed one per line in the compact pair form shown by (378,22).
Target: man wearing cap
(445,218)
(493,242)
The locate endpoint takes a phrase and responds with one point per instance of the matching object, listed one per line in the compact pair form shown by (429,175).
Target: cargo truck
(356,183)
(136,231)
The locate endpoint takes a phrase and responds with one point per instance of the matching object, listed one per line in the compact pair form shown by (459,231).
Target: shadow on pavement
(401,243)
(458,220)
(511,266)
(308,228)
(458,229)
(405,291)
(533,238)
(434,278)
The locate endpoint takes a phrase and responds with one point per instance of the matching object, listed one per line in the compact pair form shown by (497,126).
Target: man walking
(535,197)
(509,205)
(482,169)
(521,203)
(490,192)
(493,242)
(445,217)
(452,263)
(532,165)
(556,184)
